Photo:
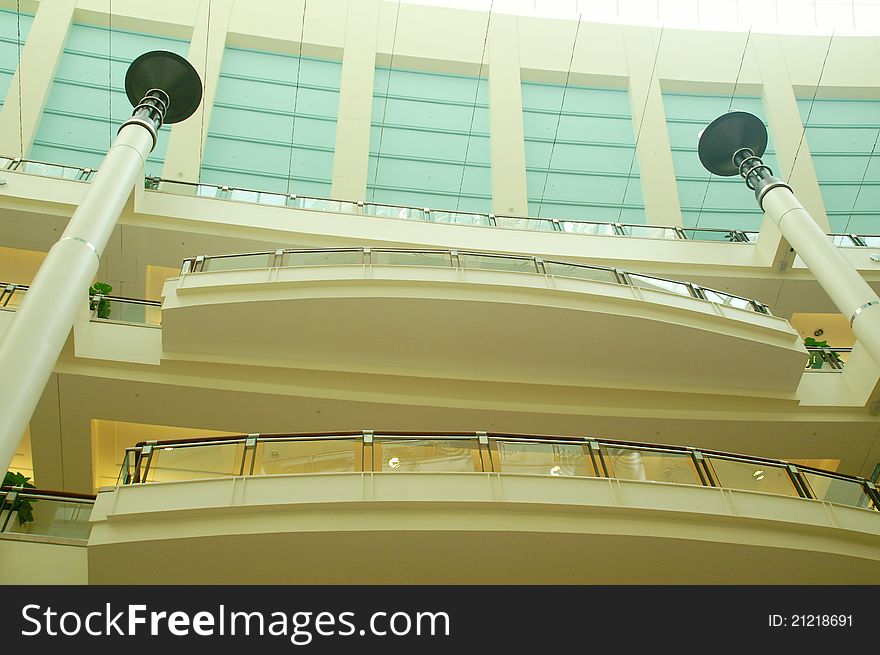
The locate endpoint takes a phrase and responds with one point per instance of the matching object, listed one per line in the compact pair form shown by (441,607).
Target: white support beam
(21,115)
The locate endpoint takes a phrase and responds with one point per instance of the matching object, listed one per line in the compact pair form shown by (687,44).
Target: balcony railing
(110,309)
(47,169)
(827,359)
(462,259)
(480,452)
(405,212)
(41,513)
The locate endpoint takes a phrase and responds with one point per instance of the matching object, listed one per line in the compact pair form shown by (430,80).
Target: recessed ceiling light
(758,475)
(168,448)
(394,462)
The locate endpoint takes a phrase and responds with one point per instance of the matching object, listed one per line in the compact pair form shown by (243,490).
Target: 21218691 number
(810,621)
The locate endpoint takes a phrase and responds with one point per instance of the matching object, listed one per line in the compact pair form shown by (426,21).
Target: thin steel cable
(474,108)
(204,94)
(810,110)
(729,108)
(385,103)
(302,34)
(641,121)
(20,75)
(865,172)
(559,116)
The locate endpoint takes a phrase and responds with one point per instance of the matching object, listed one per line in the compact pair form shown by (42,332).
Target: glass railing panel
(49,517)
(500,263)
(411,258)
(259,197)
(5,162)
(581,227)
(306,456)
(721,298)
(426,455)
(580,272)
(827,358)
(752,476)
(871,241)
(323,205)
(649,232)
(185,462)
(534,224)
(50,170)
(132,312)
(543,458)
(708,234)
(659,284)
(238,262)
(752,237)
(843,240)
(653,465)
(394,211)
(324,258)
(837,490)
(459,218)
(12,297)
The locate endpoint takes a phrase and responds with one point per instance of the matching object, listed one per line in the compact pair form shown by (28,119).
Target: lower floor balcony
(475,508)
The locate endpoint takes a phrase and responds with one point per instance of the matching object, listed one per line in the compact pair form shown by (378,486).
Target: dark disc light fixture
(727,135)
(168,73)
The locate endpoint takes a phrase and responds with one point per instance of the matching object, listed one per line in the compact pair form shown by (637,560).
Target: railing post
(702,470)
(250,446)
(367,451)
(485,452)
(799,483)
(597,458)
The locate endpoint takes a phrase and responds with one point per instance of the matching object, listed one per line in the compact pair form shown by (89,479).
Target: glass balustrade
(113,309)
(460,259)
(534,455)
(827,358)
(569,225)
(44,514)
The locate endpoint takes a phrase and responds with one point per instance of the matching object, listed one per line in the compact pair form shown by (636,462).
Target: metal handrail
(273,260)
(821,355)
(140,460)
(616,229)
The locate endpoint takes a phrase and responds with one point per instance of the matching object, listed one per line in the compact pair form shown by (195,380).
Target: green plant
(817,357)
(102,306)
(23,506)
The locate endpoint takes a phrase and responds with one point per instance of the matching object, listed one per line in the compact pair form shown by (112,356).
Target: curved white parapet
(478,324)
(474,527)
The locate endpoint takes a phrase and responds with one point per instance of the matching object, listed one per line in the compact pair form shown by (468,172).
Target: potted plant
(818,357)
(102,306)
(22,506)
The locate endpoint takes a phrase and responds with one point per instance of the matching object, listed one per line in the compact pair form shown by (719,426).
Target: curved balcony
(484,316)
(429,508)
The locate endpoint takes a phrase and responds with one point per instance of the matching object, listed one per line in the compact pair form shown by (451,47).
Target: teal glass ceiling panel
(429,141)
(273,124)
(87,102)
(580,154)
(709,200)
(842,135)
(11,24)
